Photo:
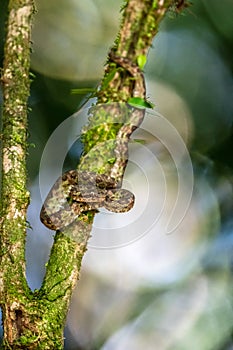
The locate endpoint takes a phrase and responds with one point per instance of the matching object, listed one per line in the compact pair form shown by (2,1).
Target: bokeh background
(161,291)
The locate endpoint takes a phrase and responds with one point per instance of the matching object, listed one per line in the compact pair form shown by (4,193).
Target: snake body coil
(78,191)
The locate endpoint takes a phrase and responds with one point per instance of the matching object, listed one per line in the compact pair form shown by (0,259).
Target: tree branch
(14,195)
(140,23)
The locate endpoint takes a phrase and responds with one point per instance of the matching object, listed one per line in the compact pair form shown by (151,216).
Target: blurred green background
(156,294)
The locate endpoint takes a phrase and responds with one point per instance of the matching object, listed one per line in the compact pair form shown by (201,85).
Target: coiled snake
(77,191)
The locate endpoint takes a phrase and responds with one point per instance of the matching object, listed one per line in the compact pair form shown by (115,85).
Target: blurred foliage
(193,56)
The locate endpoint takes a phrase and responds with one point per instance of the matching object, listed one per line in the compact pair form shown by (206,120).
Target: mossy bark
(14,195)
(140,24)
(35,320)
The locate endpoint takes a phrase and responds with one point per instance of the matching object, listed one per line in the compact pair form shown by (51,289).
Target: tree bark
(14,195)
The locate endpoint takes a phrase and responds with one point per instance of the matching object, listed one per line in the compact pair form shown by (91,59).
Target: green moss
(105,121)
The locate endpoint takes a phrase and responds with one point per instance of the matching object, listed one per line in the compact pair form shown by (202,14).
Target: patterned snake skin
(77,191)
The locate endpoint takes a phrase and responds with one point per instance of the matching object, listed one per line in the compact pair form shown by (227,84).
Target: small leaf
(141,61)
(108,78)
(149,104)
(111,160)
(32,75)
(141,141)
(139,102)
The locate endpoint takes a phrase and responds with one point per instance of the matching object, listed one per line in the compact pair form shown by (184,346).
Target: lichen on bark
(14,291)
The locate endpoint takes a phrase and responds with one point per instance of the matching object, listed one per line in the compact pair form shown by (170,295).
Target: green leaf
(108,78)
(139,102)
(111,160)
(140,141)
(141,61)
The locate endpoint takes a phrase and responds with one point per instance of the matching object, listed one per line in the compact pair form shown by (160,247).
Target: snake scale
(78,191)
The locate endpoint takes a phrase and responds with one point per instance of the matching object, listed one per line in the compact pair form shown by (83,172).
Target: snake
(75,192)
(81,190)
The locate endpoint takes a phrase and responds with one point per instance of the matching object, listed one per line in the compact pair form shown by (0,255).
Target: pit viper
(78,191)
